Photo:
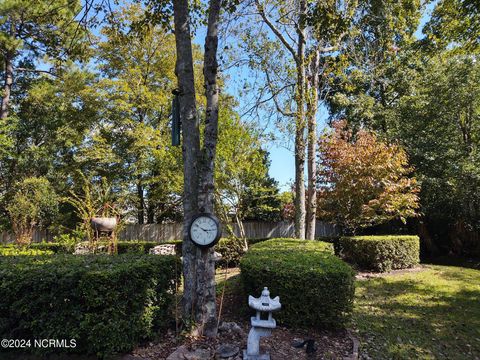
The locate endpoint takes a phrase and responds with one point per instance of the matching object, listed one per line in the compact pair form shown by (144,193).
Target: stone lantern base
(255,357)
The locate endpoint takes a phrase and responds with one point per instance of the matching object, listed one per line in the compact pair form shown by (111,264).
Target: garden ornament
(260,327)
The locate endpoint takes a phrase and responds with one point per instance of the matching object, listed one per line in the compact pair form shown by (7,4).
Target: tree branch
(274,29)
(21,69)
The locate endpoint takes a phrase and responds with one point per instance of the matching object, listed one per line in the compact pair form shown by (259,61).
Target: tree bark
(190,151)
(207,316)
(7,86)
(300,127)
(312,105)
(198,267)
(141,201)
(151,209)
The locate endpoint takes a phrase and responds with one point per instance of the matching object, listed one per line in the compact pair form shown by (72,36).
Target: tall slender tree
(306,33)
(199,163)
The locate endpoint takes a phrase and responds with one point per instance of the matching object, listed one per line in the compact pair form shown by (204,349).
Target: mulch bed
(329,344)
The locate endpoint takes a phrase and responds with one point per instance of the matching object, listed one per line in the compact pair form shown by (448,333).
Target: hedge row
(316,288)
(380,253)
(124,247)
(232,249)
(12,250)
(107,304)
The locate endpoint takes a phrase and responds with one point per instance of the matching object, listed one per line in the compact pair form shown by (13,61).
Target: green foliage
(107,303)
(47,123)
(380,253)
(454,26)
(11,250)
(40,27)
(137,67)
(55,247)
(232,250)
(439,125)
(143,247)
(241,171)
(34,203)
(67,241)
(316,288)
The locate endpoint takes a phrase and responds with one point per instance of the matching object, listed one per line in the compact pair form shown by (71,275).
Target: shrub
(380,253)
(69,240)
(143,247)
(135,247)
(10,250)
(124,247)
(232,250)
(329,239)
(107,303)
(57,248)
(253,241)
(316,288)
(34,203)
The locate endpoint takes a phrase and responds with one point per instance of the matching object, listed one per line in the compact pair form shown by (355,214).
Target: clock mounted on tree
(205,230)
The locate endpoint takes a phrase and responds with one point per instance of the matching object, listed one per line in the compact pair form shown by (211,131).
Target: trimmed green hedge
(143,247)
(380,253)
(13,250)
(232,250)
(316,288)
(55,247)
(107,304)
(124,247)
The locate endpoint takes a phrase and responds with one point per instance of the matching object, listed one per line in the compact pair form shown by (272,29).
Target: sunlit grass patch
(431,314)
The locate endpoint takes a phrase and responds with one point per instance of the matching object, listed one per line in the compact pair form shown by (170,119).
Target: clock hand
(206,229)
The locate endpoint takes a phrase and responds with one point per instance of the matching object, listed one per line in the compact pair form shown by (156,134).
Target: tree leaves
(364,181)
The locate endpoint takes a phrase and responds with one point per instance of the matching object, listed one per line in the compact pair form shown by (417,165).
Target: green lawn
(431,314)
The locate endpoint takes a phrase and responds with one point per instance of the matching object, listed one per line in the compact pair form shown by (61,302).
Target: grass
(232,280)
(433,313)
(430,314)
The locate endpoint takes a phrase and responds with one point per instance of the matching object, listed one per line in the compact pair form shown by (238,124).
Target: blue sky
(282,166)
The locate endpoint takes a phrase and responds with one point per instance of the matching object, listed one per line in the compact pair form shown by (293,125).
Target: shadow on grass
(429,315)
(448,260)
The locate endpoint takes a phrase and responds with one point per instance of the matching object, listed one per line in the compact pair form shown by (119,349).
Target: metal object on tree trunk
(176,123)
(260,327)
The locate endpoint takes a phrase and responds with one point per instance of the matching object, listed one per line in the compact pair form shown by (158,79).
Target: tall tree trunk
(300,127)
(7,86)
(151,209)
(190,150)
(141,201)
(207,316)
(312,105)
(152,206)
(198,266)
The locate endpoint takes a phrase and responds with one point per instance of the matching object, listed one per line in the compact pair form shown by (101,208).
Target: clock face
(205,230)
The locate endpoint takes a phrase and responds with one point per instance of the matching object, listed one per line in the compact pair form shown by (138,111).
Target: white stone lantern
(260,327)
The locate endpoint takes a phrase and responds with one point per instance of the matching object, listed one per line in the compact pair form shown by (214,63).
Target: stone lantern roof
(264,302)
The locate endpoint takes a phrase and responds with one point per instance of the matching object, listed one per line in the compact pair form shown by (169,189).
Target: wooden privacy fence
(168,232)
(253,229)
(38,236)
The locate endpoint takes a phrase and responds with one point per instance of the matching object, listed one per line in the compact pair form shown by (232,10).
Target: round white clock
(205,230)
